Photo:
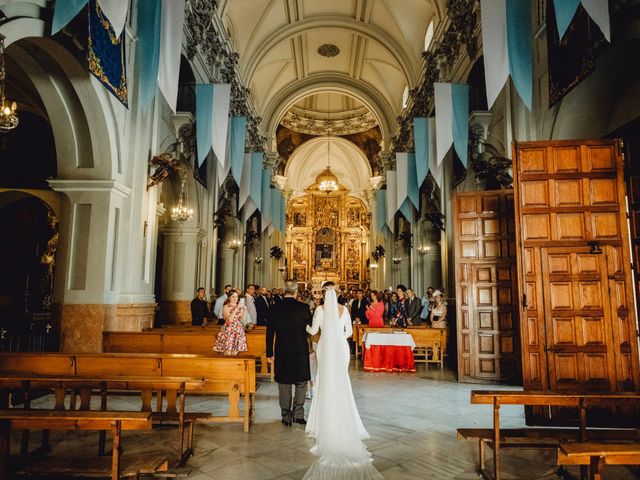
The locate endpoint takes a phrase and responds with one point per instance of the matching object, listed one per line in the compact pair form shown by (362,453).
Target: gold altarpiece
(328,239)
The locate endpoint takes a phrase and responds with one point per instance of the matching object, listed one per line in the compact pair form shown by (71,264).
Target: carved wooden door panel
(577,314)
(486,287)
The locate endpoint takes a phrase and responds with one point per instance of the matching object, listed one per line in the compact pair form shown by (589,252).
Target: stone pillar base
(81,326)
(175,312)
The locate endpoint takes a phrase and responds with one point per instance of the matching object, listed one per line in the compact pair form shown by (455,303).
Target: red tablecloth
(387,358)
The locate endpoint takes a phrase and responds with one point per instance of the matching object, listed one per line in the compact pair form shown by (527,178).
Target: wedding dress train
(334,421)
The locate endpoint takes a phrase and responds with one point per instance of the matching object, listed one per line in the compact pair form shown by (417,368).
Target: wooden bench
(223,375)
(430,344)
(86,420)
(199,341)
(83,387)
(535,438)
(597,455)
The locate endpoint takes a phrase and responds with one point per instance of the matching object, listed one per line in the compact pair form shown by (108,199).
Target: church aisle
(412,420)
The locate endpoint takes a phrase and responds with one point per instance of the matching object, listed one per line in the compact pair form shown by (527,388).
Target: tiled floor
(412,420)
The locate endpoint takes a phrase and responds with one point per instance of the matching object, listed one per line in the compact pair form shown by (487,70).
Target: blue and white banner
(116,12)
(266,210)
(220,122)
(507,47)
(171,27)
(236,147)
(421,140)
(452,119)
(277,210)
(148,27)
(435,168)
(64,11)
(392,197)
(407,184)
(204,117)
(598,10)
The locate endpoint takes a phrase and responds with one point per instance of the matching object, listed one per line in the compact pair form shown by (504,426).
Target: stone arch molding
(348,163)
(81,114)
(280,104)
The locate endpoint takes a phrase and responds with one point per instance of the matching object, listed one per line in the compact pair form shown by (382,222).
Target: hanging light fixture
(327,181)
(8,116)
(182,212)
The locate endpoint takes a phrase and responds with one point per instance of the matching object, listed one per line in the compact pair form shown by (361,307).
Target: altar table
(388,352)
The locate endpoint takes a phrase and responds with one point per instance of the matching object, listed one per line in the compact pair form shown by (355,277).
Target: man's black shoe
(301,421)
(286,422)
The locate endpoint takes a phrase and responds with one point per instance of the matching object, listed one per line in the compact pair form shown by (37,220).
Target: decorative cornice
(102,186)
(317,126)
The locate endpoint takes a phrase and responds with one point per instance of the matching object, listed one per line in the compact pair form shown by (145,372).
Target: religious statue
(165,164)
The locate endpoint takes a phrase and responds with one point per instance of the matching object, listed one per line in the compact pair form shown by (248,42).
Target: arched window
(428,37)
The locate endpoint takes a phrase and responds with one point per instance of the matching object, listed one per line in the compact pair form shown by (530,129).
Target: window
(405,96)
(428,37)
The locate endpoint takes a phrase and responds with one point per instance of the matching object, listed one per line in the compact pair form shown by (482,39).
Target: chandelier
(234,244)
(327,181)
(423,249)
(182,212)
(8,116)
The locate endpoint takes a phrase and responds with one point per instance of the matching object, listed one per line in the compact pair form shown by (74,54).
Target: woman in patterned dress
(231,338)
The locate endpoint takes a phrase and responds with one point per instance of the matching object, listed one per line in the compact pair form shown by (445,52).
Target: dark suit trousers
(284,392)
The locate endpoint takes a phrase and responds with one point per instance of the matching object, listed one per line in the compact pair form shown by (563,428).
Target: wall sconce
(235,244)
(396,260)
(423,249)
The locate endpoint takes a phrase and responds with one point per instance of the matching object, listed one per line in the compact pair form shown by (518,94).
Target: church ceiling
(368,49)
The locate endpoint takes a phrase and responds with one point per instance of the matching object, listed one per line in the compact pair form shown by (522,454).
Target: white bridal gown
(334,420)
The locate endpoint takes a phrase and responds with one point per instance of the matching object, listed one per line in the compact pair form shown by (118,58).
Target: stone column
(86,286)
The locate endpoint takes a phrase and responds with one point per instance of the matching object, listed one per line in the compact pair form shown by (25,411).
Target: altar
(388,352)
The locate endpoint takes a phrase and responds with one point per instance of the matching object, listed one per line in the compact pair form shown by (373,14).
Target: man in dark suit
(262,306)
(414,308)
(288,321)
(199,309)
(359,308)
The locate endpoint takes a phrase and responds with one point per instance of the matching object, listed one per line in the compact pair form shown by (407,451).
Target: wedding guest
(262,306)
(414,307)
(392,307)
(400,317)
(439,311)
(359,308)
(250,303)
(199,309)
(375,310)
(231,338)
(217,307)
(427,303)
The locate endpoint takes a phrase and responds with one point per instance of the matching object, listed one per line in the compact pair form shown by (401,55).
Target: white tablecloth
(389,339)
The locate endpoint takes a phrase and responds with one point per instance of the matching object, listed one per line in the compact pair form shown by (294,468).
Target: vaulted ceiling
(287,51)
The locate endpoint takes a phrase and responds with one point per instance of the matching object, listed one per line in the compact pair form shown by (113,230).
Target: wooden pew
(233,376)
(174,388)
(429,340)
(597,455)
(497,438)
(83,420)
(199,341)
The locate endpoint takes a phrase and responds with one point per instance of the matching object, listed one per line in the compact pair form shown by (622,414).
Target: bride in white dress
(334,420)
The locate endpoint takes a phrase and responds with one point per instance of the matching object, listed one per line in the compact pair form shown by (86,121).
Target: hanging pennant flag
(106,53)
(220,122)
(170,50)
(204,117)
(236,146)
(392,197)
(598,10)
(222,172)
(421,138)
(452,119)
(116,13)
(245,181)
(282,210)
(266,209)
(64,11)
(407,188)
(148,51)
(507,47)
(255,188)
(381,209)
(275,209)
(434,167)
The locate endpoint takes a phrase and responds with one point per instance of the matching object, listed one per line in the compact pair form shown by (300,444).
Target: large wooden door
(578,329)
(486,287)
